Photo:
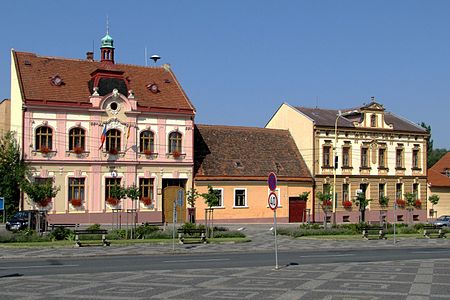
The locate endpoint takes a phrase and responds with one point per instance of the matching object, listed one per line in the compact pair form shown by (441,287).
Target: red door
(297,210)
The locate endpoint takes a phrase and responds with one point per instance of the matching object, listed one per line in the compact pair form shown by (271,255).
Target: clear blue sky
(239,60)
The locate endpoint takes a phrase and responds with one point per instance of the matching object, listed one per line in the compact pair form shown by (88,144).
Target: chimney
(90,56)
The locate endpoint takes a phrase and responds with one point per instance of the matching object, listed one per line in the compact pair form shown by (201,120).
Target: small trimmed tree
(410,203)
(192,196)
(325,202)
(434,200)
(361,201)
(211,200)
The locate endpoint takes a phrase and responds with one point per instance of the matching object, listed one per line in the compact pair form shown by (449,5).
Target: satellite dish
(155,58)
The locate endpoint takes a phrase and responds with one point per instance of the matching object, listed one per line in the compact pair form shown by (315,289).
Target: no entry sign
(272,181)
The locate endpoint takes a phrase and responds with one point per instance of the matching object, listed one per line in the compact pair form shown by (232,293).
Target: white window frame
(221,198)
(245,199)
(277,192)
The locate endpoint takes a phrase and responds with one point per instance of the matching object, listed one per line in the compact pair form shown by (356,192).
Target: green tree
(434,200)
(192,196)
(13,172)
(211,198)
(133,192)
(362,202)
(40,193)
(433,155)
(304,196)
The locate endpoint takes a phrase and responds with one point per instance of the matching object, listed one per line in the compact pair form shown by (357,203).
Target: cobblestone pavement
(410,280)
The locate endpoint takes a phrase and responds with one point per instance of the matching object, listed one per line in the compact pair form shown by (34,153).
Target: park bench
(56,225)
(194,233)
(102,232)
(374,231)
(433,230)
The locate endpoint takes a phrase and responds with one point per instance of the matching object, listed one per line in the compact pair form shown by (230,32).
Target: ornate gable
(372,116)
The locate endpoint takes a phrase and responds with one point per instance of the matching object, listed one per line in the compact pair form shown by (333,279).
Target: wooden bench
(378,231)
(430,230)
(198,233)
(102,232)
(54,226)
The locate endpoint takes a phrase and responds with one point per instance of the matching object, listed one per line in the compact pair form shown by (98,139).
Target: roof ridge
(243,127)
(406,120)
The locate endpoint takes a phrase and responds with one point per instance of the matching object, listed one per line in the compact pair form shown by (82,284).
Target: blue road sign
(2,203)
(272,181)
(180,197)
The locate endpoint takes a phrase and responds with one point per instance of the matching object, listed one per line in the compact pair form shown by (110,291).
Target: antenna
(155,58)
(107,24)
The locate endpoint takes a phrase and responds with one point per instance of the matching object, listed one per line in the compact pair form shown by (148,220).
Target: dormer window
(373,120)
(56,80)
(153,87)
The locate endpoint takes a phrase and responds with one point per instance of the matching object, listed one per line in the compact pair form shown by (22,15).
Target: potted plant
(347,204)
(148,152)
(44,150)
(77,150)
(113,151)
(418,204)
(146,201)
(176,154)
(400,203)
(76,202)
(383,201)
(112,201)
(44,202)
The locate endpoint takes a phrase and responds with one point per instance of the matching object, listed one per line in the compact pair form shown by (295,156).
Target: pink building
(87,125)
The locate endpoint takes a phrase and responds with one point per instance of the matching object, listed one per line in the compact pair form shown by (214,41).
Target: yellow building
(5,116)
(439,184)
(236,162)
(377,153)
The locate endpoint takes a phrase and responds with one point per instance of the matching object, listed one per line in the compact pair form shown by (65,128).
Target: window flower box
(176,154)
(113,151)
(347,204)
(146,201)
(44,150)
(418,204)
(44,202)
(148,152)
(112,201)
(401,203)
(76,202)
(77,150)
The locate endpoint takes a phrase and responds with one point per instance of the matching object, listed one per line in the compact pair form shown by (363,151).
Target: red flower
(113,151)
(176,154)
(77,150)
(347,203)
(418,204)
(148,152)
(44,149)
(44,202)
(146,201)
(326,203)
(112,201)
(401,203)
(76,202)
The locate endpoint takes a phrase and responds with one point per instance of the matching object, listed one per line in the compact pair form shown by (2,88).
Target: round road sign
(272,181)
(273,201)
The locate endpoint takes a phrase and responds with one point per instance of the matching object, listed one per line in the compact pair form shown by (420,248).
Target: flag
(128,135)
(103,138)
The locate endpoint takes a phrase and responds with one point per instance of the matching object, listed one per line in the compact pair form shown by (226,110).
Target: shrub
(228,234)
(117,234)
(145,230)
(61,233)
(94,227)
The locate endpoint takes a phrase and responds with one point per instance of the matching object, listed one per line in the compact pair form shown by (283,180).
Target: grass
(358,237)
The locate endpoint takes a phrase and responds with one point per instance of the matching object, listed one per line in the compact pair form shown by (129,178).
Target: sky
(239,60)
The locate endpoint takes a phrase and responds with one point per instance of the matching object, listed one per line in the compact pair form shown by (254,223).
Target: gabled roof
(35,73)
(327,118)
(436,174)
(238,152)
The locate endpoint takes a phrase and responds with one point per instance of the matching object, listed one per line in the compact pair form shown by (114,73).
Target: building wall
(300,127)
(5,116)
(257,209)
(17,103)
(443,206)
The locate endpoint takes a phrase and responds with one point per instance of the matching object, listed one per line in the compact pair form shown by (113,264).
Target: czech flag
(103,138)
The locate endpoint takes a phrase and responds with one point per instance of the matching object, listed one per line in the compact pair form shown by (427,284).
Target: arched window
(373,120)
(44,136)
(77,138)
(175,142)
(147,141)
(113,140)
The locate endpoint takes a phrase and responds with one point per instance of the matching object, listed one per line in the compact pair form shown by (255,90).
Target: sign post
(2,207)
(395,221)
(273,204)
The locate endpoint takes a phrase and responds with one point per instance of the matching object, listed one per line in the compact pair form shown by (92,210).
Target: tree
(211,200)
(40,193)
(325,202)
(13,171)
(433,155)
(410,202)
(362,202)
(192,196)
(434,200)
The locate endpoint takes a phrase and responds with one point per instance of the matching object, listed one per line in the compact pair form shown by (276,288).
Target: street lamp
(340,114)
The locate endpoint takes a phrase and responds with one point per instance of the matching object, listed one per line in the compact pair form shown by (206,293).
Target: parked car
(442,221)
(21,219)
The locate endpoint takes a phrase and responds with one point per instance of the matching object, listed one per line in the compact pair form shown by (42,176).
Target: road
(125,263)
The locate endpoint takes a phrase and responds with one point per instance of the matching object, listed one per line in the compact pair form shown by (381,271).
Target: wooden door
(297,210)
(169,196)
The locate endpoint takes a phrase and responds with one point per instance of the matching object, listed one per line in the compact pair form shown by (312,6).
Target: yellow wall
(257,209)
(16,102)
(443,207)
(5,116)
(301,128)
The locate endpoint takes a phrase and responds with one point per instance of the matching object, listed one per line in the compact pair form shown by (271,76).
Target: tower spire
(107,48)
(107,25)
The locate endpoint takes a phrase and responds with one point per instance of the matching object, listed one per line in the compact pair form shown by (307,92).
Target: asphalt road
(124,263)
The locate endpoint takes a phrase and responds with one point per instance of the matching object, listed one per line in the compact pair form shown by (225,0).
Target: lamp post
(340,114)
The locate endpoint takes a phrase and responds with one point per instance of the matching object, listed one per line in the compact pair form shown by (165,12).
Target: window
(345,192)
(373,120)
(44,136)
(399,158)
(240,198)
(364,157)
(146,188)
(43,180)
(382,158)
(327,156)
(381,190)
(113,137)
(399,191)
(416,190)
(447,172)
(76,188)
(219,194)
(109,184)
(415,159)
(346,156)
(327,188)
(175,140)
(76,138)
(147,141)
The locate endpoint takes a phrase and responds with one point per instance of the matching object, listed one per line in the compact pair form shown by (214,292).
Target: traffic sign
(2,203)
(180,197)
(272,181)
(273,201)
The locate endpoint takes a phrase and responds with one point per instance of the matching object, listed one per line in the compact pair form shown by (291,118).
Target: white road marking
(44,266)
(431,252)
(195,260)
(331,255)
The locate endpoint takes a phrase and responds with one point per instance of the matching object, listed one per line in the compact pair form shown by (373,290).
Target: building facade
(439,184)
(5,113)
(236,162)
(375,152)
(89,125)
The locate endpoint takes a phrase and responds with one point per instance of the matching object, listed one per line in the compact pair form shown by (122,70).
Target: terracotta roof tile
(231,151)
(436,176)
(36,71)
